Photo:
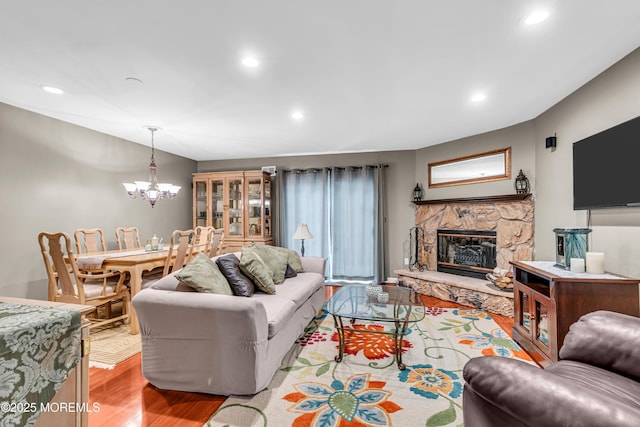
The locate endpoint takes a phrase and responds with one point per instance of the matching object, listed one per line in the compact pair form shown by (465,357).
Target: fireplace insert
(469,253)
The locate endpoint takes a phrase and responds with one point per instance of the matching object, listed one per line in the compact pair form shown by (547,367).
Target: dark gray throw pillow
(290,272)
(240,284)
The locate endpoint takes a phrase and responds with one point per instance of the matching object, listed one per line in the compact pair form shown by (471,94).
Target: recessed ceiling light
(478,97)
(297,115)
(52,89)
(250,62)
(536,17)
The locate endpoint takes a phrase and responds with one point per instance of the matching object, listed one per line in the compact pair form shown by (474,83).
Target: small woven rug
(112,344)
(367,388)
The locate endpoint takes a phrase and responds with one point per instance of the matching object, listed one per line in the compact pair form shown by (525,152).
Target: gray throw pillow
(241,285)
(275,260)
(255,268)
(203,275)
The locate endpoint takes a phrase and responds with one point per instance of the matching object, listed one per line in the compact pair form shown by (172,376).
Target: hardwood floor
(125,398)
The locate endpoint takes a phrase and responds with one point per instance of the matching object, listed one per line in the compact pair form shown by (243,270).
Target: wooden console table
(548,299)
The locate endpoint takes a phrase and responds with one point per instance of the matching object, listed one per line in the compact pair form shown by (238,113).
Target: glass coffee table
(357,302)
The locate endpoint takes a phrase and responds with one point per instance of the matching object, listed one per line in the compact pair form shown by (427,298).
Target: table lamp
(301,233)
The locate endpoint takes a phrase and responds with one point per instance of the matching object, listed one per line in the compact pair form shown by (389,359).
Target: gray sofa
(221,344)
(596,382)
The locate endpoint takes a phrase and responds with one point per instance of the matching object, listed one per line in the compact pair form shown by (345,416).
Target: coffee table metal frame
(351,302)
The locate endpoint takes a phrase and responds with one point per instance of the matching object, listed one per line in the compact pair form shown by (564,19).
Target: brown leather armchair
(596,382)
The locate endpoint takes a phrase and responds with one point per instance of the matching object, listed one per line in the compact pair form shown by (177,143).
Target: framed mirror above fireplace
(488,166)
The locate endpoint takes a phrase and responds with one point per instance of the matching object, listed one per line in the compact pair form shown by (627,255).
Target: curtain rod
(315,169)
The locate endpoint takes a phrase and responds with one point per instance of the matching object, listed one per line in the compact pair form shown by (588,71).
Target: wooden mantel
(488,199)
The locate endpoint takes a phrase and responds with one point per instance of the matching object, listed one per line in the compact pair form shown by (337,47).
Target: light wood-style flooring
(125,398)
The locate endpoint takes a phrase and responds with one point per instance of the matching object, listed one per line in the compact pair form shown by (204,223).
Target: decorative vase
(383,297)
(373,290)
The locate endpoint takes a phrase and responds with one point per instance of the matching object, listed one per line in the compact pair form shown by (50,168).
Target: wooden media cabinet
(548,299)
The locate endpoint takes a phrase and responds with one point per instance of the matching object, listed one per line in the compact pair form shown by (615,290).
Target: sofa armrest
(536,397)
(607,340)
(314,264)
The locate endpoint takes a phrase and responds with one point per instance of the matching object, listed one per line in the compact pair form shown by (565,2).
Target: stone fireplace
(509,218)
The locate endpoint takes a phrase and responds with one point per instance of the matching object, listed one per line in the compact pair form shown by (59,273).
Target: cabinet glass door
(254,211)
(234,217)
(267,207)
(200,204)
(542,322)
(217,203)
(524,318)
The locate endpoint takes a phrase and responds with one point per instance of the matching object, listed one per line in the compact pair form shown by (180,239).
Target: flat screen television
(606,168)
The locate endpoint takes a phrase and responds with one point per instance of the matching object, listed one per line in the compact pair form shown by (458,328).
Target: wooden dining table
(134,262)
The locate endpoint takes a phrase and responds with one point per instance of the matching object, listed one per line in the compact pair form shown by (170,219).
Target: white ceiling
(370,75)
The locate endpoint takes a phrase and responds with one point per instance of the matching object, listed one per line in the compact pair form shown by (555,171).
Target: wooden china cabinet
(239,202)
(548,300)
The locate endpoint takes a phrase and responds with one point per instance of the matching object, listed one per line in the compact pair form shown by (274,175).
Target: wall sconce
(417,193)
(551,141)
(522,183)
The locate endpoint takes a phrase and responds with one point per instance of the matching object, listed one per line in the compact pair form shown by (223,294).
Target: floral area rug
(367,388)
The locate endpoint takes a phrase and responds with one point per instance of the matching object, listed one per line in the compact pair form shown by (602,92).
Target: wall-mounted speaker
(550,142)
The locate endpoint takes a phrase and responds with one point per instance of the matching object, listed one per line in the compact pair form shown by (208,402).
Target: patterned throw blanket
(39,347)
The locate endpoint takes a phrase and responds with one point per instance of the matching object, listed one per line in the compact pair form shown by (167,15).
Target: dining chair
(91,239)
(128,238)
(216,245)
(202,239)
(66,283)
(180,249)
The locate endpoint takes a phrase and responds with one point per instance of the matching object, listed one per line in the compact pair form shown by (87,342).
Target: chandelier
(151,190)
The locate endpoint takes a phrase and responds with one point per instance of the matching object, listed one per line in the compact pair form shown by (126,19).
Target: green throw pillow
(255,268)
(293,259)
(275,260)
(203,275)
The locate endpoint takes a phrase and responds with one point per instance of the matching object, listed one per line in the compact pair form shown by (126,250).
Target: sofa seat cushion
(291,295)
(604,384)
(298,289)
(278,310)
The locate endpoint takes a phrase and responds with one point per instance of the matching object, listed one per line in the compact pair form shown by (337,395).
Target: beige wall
(519,137)
(399,186)
(608,100)
(55,176)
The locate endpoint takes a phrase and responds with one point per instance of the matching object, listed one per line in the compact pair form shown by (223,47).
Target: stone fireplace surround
(510,216)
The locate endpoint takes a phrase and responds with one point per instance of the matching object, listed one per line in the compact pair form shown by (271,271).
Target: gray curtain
(302,200)
(380,224)
(344,209)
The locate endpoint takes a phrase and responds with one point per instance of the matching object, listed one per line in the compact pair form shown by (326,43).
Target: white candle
(595,262)
(577,265)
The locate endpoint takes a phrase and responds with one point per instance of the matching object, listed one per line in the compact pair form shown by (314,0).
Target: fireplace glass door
(467,252)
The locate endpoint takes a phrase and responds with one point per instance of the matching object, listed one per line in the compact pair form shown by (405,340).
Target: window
(343,208)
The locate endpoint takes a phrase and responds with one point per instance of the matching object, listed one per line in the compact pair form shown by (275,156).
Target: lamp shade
(302,232)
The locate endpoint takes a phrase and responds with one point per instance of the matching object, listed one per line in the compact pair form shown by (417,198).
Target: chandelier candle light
(301,233)
(151,190)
